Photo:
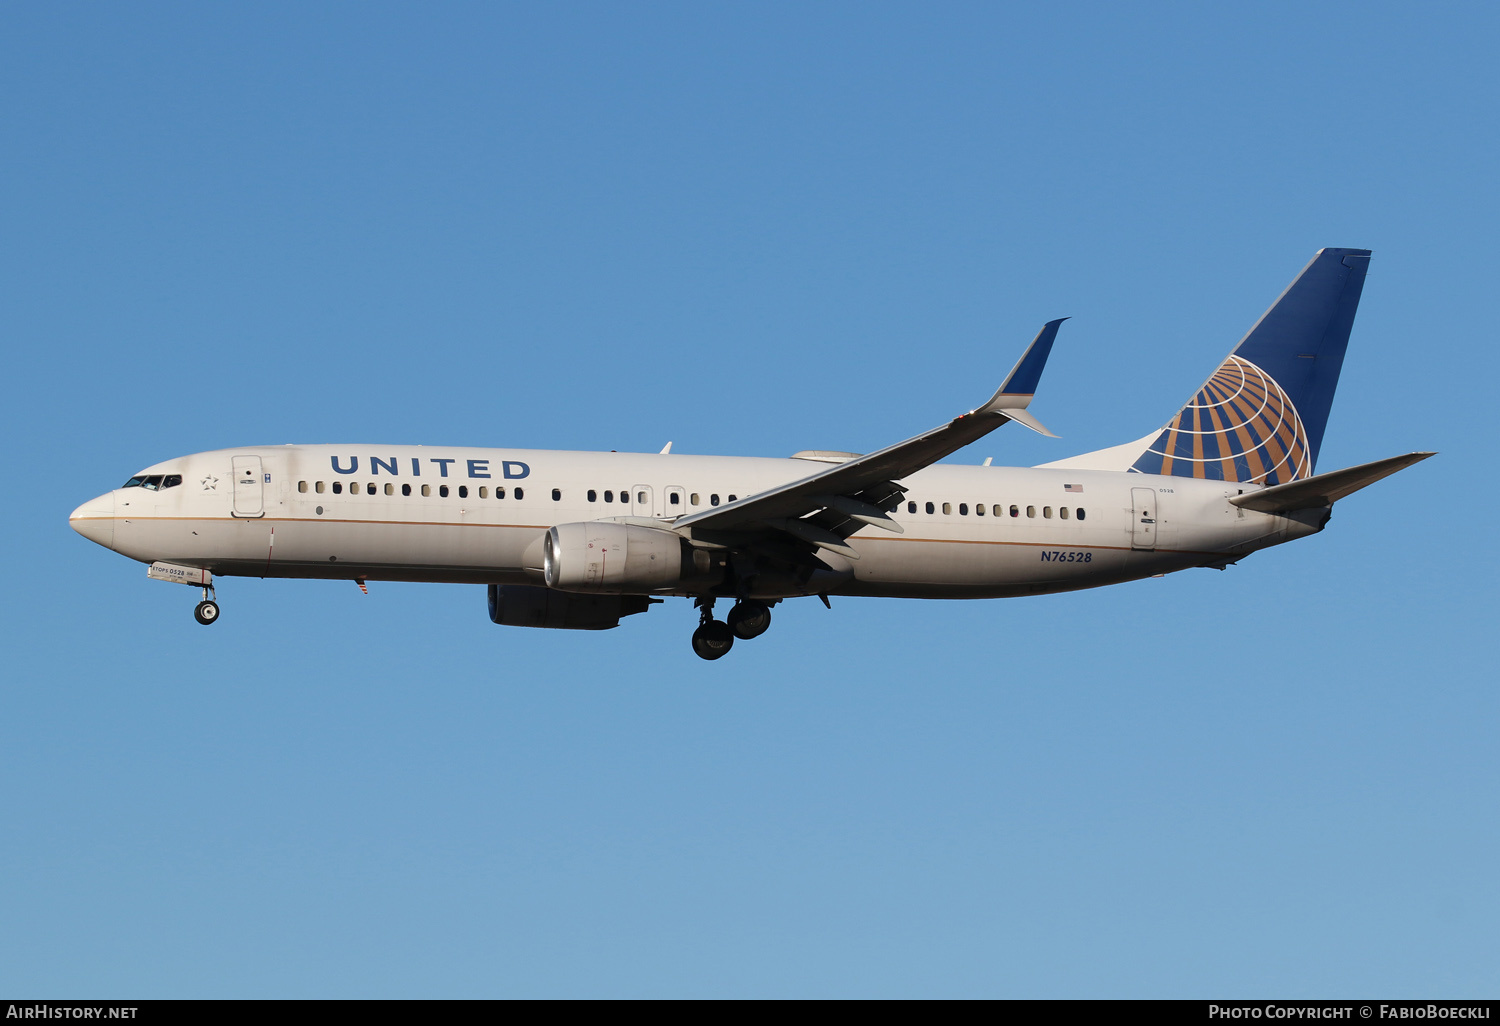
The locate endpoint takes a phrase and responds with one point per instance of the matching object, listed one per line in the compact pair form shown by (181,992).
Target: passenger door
(640,498)
(249,494)
(1143,518)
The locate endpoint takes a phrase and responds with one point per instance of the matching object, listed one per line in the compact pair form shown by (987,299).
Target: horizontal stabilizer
(1325,489)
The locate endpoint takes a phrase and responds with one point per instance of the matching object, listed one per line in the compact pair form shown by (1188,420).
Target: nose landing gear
(207,611)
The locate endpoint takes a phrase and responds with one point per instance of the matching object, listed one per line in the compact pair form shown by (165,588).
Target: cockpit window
(154,481)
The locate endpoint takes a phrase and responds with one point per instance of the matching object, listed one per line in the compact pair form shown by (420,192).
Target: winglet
(1025,419)
(1020,386)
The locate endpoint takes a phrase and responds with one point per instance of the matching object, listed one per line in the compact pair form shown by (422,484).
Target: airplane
(580,540)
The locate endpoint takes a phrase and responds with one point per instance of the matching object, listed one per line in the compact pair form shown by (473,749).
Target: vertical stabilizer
(1260,417)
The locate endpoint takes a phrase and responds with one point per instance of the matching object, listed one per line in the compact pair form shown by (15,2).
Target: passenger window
(442,491)
(463,491)
(390,489)
(338,486)
(353,487)
(713,500)
(593,495)
(1080,512)
(1047,512)
(557,495)
(426,489)
(931,508)
(484,491)
(911,507)
(963,509)
(302,486)
(370,488)
(609,496)
(640,497)
(998,510)
(173,480)
(520,493)
(674,499)
(947,509)
(499,493)
(318,487)
(979,509)
(694,499)
(1063,512)
(1031,511)
(406,489)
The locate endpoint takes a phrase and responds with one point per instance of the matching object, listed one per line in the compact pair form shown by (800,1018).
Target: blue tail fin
(1261,416)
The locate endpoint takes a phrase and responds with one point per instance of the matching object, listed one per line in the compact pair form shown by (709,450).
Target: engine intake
(606,557)
(517,605)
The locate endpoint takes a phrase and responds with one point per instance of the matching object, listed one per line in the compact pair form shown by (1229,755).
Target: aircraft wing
(848,496)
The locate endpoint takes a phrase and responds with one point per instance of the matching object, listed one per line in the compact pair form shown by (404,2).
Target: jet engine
(607,557)
(517,605)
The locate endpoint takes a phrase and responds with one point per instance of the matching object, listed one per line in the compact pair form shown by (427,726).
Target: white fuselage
(991,532)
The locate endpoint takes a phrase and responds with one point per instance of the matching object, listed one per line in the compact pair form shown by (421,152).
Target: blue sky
(748,229)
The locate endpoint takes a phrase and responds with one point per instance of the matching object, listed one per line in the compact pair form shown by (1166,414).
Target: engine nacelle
(601,556)
(517,605)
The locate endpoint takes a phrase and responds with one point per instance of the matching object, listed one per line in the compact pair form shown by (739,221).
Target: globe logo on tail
(1241,426)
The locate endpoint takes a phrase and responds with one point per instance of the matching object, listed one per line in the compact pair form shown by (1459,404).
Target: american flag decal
(1072,488)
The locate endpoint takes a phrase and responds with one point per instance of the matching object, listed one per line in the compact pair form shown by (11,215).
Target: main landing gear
(714,638)
(207,611)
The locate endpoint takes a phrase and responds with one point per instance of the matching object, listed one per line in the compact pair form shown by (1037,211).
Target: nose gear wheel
(207,611)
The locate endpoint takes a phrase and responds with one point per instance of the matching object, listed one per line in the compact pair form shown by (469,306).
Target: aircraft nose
(95,520)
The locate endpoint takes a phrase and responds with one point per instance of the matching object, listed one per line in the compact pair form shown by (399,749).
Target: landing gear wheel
(713,639)
(207,612)
(749,619)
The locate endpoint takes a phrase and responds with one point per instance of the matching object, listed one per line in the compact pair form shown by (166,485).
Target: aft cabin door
(249,494)
(1143,518)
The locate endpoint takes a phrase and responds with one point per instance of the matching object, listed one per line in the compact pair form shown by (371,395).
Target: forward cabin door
(1143,518)
(249,493)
